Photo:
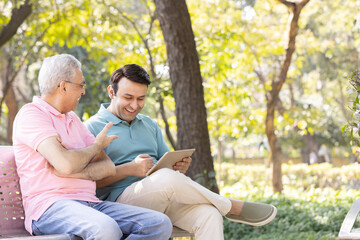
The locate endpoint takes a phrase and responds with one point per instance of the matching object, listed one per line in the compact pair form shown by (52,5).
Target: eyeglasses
(83,85)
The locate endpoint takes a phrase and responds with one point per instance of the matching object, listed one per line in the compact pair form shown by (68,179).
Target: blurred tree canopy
(234,39)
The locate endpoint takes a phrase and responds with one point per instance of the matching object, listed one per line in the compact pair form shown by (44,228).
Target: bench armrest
(346,230)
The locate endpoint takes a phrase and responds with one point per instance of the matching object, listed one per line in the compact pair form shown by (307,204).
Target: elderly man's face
(75,89)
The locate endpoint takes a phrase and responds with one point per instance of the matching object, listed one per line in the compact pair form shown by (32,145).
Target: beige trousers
(189,205)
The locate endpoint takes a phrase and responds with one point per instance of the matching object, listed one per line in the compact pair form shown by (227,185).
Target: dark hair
(133,72)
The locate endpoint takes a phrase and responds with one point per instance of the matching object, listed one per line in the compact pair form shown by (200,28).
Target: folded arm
(99,167)
(89,163)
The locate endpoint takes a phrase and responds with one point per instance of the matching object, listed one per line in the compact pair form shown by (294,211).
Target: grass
(312,205)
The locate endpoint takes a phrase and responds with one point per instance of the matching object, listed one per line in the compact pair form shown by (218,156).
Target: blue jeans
(102,221)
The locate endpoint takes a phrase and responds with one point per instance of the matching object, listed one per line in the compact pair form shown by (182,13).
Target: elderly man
(58,161)
(189,205)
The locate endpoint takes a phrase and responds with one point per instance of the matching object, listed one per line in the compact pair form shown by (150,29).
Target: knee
(158,227)
(166,173)
(105,230)
(169,177)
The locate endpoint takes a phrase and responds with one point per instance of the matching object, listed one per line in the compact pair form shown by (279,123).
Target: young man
(58,162)
(140,143)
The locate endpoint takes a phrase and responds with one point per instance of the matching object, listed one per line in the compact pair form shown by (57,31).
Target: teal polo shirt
(142,136)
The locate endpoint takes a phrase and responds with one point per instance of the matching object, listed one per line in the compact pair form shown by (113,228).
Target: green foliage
(312,206)
(353,124)
(97,80)
(244,39)
(243,36)
(296,220)
(300,176)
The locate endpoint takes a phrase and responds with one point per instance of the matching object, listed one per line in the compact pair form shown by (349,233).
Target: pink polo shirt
(40,188)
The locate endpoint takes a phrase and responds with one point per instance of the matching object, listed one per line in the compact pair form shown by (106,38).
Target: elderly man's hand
(102,139)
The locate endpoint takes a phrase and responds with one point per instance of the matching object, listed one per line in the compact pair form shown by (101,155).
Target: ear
(62,87)
(111,92)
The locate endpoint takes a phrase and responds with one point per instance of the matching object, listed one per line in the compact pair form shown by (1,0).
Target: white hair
(55,69)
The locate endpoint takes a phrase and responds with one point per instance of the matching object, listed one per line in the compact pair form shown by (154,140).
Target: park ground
(312,206)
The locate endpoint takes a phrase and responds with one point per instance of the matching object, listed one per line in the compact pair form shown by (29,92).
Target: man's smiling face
(128,100)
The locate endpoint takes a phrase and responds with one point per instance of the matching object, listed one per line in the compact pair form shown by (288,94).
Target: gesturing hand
(102,140)
(141,165)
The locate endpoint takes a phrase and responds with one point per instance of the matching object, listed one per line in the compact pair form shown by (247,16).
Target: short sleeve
(32,126)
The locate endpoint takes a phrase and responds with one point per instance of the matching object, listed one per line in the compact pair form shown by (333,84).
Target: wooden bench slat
(44,237)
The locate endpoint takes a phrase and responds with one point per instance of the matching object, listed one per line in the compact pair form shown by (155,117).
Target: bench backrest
(11,209)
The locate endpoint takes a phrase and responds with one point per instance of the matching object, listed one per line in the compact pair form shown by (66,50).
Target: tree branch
(293,4)
(288,4)
(145,40)
(167,126)
(10,79)
(263,82)
(18,16)
(295,9)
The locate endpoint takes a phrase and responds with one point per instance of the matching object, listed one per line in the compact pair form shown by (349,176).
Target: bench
(347,231)
(12,212)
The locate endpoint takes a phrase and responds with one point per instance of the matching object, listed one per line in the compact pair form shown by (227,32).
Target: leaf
(343,128)
(302,124)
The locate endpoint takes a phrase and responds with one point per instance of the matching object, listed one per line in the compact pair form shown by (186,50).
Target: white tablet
(169,159)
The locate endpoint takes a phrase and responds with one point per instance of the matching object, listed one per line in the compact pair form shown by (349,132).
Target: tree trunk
(312,146)
(192,128)
(276,156)
(273,96)
(219,159)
